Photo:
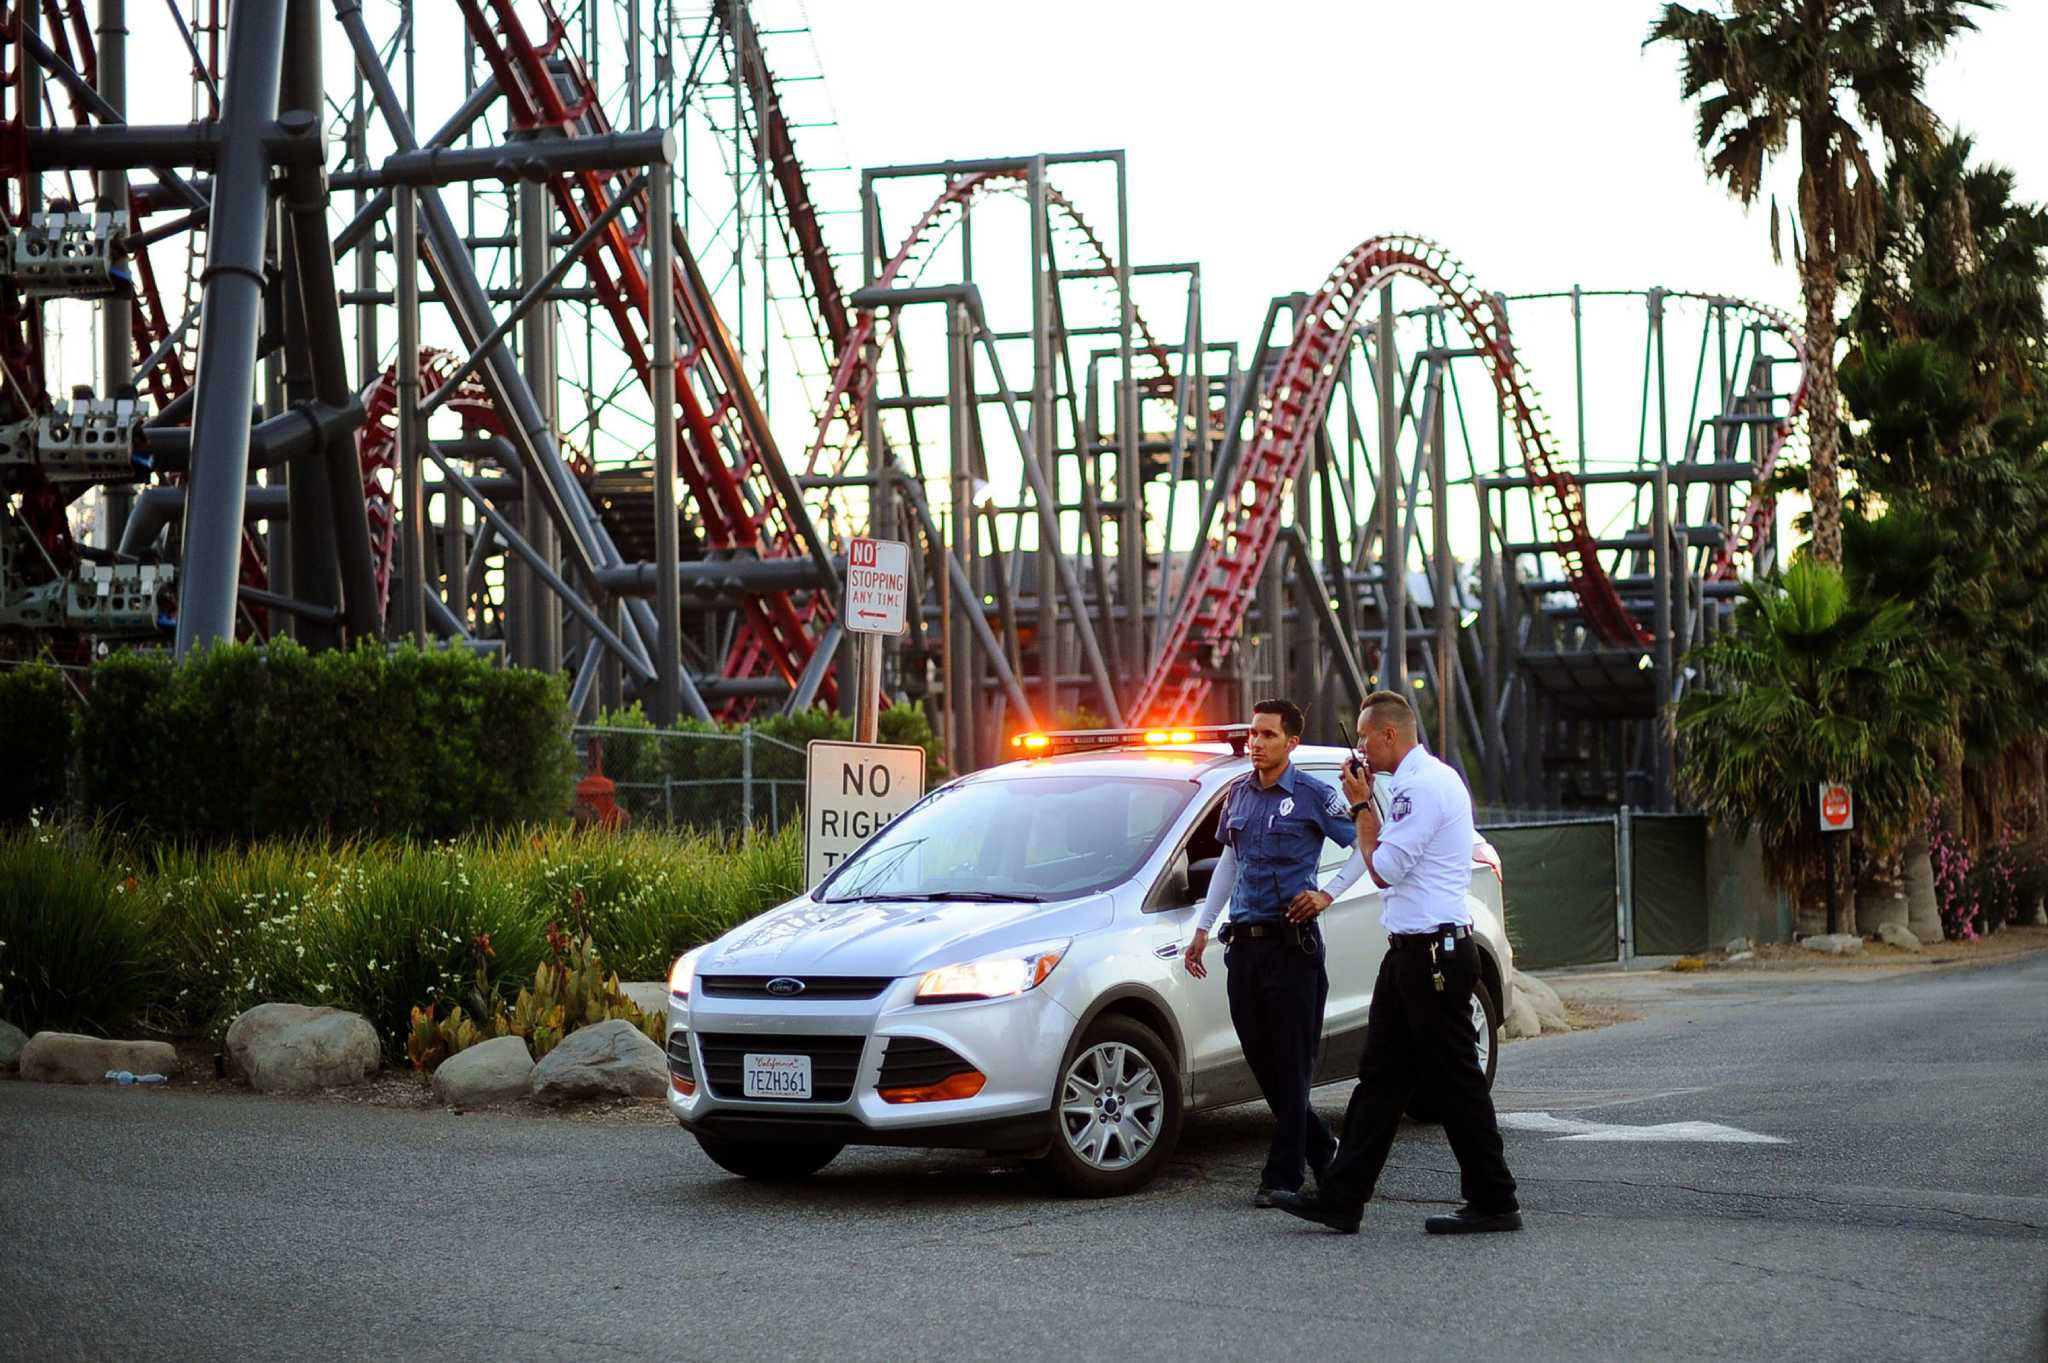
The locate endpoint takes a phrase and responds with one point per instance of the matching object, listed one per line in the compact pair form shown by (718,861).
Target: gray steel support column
(312,562)
(1393,544)
(413,528)
(233,295)
(1493,635)
(1664,566)
(1130,526)
(117,325)
(540,631)
(668,623)
(1040,453)
(962,696)
(1445,592)
(455,554)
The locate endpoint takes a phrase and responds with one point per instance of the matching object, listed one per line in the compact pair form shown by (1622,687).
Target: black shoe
(1263,1198)
(1469,1220)
(1313,1208)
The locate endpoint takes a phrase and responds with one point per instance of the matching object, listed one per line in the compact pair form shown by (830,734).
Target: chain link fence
(703,781)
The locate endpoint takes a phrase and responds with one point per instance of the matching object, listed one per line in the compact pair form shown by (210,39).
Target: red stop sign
(1837,810)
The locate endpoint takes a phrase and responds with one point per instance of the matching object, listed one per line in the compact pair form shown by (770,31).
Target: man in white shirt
(1419,1030)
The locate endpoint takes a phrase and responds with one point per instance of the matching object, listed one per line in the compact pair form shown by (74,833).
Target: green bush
(77,946)
(35,741)
(243,743)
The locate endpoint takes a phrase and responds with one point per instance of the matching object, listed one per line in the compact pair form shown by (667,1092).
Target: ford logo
(785,986)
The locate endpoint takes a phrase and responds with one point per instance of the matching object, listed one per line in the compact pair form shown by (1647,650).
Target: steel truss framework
(613,401)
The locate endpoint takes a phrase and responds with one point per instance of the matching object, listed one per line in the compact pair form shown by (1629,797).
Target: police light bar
(1171,736)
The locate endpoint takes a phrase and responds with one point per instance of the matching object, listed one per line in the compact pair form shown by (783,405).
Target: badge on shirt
(1400,808)
(1287,805)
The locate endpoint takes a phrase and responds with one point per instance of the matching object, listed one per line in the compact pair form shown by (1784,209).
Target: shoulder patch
(1401,808)
(1337,804)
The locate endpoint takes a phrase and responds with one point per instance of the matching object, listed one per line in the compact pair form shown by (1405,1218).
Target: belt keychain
(1436,973)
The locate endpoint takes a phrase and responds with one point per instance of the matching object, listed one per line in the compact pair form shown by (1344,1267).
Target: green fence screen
(1668,883)
(1560,882)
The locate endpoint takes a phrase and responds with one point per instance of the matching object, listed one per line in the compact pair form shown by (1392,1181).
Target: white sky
(1539,142)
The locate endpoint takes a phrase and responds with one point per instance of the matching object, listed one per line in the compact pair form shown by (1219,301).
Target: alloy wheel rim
(1112,1106)
(1483,1042)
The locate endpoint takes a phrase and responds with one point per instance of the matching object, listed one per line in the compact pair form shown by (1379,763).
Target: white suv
(999,969)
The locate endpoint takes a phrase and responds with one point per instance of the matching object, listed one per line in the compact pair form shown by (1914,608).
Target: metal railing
(723,781)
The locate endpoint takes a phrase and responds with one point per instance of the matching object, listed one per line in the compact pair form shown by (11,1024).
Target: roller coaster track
(1292,408)
(1758,512)
(853,378)
(725,453)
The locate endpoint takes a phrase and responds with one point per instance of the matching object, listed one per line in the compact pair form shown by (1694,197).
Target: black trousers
(1277,992)
(1416,1036)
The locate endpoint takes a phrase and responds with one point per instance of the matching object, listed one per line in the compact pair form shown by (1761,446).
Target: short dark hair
(1289,712)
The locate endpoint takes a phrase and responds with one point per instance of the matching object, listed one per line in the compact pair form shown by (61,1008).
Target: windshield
(1043,837)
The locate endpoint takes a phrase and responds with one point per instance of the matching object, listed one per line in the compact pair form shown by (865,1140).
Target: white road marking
(1573,1129)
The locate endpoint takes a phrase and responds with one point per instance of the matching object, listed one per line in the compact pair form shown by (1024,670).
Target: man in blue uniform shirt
(1274,821)
(1419,1031)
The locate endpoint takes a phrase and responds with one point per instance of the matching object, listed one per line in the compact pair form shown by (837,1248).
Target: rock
(66,1058)
(290,1048)
(1521,1021)
(2039,917)
(1738,945)
(1923,910)
(12,1039)
(493,1071)
(1741,956)
(1896,935)
(1548,1007)
(649,996)
(1834,943)
(609,1060)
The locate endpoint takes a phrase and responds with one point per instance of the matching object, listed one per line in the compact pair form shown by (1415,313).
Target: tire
(1096,1156)
(768,1163)
(1422,1104)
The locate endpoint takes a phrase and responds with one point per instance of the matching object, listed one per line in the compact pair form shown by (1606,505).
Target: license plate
(776,1076)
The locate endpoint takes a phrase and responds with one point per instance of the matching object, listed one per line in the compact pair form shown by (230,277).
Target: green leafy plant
(78,945)
(36,718)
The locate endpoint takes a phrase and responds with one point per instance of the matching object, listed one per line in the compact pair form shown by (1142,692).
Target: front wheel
(1117,1113)
(768,1163)
(1486,1045)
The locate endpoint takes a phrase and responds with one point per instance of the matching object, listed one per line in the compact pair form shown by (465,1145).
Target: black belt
(1415,941)
(1252,932)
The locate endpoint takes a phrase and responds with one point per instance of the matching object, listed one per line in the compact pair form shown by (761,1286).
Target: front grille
(913,1062)
(814,986)
(835,1061)
(679,1056)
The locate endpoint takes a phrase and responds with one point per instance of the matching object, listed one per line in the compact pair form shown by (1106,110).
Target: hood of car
(891,937)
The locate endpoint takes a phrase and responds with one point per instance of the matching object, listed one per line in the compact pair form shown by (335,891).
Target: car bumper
(1015,1043)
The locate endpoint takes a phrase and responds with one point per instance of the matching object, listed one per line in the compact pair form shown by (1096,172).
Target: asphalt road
(1905,1215)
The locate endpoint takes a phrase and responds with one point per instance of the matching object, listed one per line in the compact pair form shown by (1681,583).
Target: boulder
(1521,1021)
(609,1060)
(493,1071)
(290,1048)
(1549,1008)
(1739,957)
(1739,945)
(12,1039)
(66,1058)
(1834,943)
(1896,935)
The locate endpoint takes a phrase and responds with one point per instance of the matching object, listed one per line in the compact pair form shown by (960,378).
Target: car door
(1217,1072)
(1354,942)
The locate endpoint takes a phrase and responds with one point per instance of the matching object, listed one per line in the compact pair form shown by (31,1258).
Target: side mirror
(1200,873)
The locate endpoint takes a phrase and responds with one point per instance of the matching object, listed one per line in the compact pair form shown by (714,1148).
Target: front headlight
(682,973)
(993,977)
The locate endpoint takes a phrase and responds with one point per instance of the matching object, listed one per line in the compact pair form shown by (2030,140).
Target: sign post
(851,792)
(877,597)
(1837,804)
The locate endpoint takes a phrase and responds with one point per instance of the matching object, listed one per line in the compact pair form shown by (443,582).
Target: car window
(1046,837)
(1334,854)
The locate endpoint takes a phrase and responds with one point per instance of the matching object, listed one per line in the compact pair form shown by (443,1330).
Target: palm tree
(1807,687)
(1773,66)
